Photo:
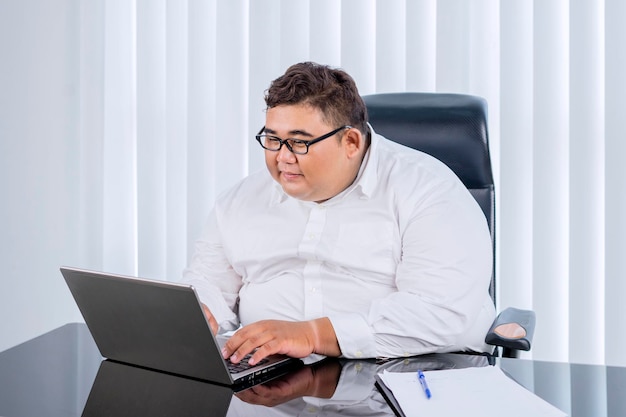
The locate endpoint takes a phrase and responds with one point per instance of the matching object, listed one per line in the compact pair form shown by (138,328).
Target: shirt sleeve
(213,277)
(442,279)
(442,302)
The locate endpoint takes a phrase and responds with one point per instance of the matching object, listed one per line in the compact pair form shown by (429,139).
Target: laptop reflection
(124,390)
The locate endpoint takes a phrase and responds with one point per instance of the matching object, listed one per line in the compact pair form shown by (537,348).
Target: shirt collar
(367,178)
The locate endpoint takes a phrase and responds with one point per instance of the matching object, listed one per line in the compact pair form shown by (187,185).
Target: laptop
(161,326)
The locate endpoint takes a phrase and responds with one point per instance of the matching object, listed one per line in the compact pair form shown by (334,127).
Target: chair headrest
(450,127)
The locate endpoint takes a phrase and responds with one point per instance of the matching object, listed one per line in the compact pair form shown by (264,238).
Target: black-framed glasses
(297,146)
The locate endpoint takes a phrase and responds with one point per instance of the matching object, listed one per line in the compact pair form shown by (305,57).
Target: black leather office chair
(453,129)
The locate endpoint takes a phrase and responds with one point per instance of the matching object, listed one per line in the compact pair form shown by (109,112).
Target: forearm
(415,326)
(213,277)
(403,325)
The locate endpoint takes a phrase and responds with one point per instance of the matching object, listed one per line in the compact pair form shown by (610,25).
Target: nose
(285,155)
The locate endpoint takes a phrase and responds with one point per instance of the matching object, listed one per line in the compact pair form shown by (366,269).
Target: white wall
(39,165)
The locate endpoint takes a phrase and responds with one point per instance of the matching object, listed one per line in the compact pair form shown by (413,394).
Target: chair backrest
(450,127)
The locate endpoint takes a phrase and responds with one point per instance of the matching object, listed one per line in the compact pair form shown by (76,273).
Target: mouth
(290,176)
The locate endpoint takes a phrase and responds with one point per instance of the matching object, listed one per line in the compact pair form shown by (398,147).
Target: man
(348,245)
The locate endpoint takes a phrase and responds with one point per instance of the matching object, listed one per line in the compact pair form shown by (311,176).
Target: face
(327,169)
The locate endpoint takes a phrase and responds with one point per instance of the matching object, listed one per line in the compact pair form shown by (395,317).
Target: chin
(297,194)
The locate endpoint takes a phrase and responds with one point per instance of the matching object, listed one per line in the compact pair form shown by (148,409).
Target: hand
(318,380)
(295,339)
(209,316)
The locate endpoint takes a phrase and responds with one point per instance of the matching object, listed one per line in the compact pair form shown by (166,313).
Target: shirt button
(358,354)
(311,236)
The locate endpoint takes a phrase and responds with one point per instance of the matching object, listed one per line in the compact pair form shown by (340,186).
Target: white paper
(482,391)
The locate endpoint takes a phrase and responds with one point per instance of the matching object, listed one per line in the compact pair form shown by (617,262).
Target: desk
(53,375)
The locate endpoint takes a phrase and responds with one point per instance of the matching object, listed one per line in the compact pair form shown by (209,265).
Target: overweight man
(348,244)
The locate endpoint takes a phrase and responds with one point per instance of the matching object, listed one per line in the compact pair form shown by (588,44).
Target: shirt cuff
(354,336)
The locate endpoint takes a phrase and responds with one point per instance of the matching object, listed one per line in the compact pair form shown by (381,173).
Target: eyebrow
(295,132)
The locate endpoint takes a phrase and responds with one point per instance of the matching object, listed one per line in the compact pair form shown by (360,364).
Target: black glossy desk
(62,374)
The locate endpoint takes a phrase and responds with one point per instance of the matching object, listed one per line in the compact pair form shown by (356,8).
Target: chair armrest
(512,329)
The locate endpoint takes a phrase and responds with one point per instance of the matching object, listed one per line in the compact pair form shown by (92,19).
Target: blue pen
(422,378)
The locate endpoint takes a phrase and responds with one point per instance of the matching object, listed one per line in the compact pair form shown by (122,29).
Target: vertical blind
(171,93)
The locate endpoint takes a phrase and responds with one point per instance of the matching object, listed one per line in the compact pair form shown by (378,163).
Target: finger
(240,344)
(248,396)
(262,390)
(258,397)
(231,345)
(266,349)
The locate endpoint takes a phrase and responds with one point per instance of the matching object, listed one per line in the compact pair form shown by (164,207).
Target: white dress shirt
(400,261)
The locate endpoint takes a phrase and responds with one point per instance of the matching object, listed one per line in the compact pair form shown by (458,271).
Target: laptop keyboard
(244,365)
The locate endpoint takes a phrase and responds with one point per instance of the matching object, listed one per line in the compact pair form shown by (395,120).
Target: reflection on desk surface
(62,374)
(50,375)
(55,375)
(122,390)
(330,387)
(579,390)
(336,387)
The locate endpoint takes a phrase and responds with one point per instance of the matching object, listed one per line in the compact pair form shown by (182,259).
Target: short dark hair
(330,90)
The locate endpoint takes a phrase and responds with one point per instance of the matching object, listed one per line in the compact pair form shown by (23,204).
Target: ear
(354,143)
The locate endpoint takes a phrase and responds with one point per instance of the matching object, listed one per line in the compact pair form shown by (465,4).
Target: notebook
(159,325)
